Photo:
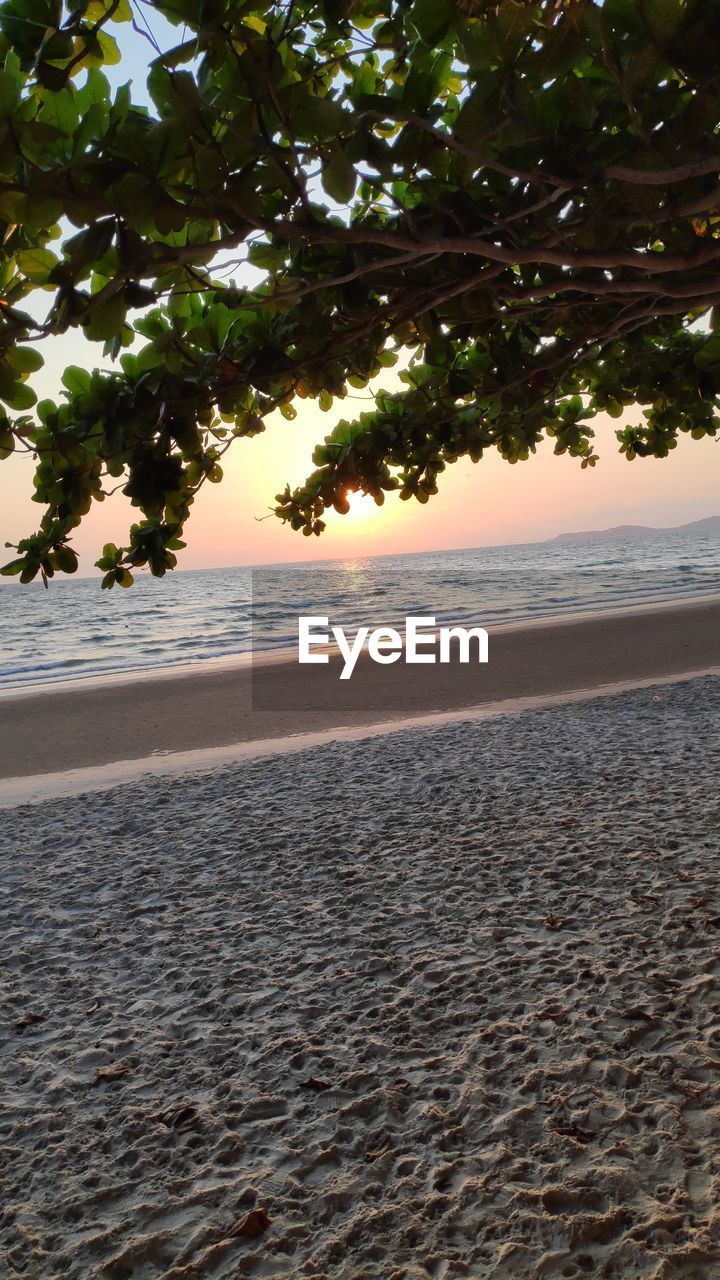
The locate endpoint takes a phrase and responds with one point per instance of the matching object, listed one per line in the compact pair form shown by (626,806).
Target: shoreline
(272,657)
(38,788)
(61,730)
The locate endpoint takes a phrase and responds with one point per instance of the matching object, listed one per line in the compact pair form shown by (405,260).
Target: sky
(490,503)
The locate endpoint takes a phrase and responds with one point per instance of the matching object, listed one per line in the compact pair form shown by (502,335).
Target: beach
(438,1003)
(96,723)
(359,701)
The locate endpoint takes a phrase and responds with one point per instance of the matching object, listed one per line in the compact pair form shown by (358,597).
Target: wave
(204,615)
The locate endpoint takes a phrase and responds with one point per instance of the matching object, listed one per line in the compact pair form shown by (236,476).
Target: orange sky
(490,503)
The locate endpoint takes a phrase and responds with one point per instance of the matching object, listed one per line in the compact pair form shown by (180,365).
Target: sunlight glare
(362,506)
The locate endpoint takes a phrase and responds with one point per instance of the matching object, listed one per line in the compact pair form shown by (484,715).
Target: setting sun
(362,506)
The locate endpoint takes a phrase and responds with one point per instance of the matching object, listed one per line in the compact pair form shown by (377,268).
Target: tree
(521,197)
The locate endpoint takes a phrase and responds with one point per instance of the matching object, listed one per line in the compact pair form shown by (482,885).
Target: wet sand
(72,728)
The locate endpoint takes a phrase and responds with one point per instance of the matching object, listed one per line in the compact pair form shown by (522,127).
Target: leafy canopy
(523,197)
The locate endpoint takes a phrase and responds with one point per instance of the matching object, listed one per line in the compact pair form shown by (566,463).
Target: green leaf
(432,19)
(9,94)
(109,47)
(268,257)
(13,568)
(76,380)
(97,10)
(139,295)
(36,264)
(65,559)
(109,558)
(255,24)
(105,318)
(364,78)
(25,359)
(709,354)
(88,246)
(320,118)
(475,112)
(7,441)
(19,397)
(664,19)
(338,175)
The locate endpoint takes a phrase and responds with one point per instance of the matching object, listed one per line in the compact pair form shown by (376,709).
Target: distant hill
(711,524)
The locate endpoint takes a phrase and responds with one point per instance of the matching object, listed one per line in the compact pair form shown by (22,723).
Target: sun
(362,506)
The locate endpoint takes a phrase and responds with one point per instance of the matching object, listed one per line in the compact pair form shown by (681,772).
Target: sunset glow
(362,507)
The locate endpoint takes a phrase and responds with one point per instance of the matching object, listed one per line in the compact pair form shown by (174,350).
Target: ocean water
(75,630)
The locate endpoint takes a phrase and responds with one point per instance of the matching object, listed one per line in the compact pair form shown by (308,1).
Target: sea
(75,631)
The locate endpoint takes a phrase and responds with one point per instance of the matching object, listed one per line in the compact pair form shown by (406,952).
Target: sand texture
(435,1005)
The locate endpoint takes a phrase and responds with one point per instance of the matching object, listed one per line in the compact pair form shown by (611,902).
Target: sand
(72,728)
(438,1004)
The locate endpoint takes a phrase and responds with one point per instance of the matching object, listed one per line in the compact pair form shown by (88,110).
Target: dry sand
(442,1004)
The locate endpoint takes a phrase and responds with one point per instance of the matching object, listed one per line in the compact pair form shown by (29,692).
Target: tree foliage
(521,197)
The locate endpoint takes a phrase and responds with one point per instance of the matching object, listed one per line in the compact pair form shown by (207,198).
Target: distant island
(711,524)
